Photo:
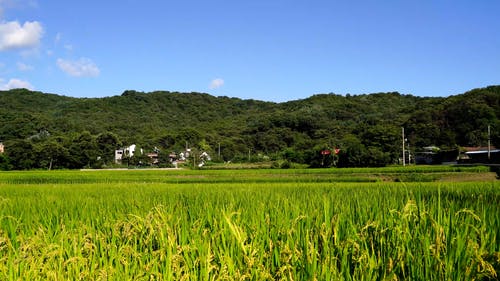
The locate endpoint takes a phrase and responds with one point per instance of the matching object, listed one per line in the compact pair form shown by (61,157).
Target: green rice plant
(406,174)
(258,229)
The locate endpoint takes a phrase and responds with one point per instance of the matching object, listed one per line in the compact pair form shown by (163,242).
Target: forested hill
(368,125)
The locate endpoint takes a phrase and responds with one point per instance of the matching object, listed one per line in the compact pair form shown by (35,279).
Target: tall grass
(410,173)
(249,231)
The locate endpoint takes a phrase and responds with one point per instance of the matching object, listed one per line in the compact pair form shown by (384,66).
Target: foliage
(107,143)
(78,131)
(21,154)
(4,163)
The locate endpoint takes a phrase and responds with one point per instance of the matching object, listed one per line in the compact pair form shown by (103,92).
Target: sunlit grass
(409,173)
(121,226)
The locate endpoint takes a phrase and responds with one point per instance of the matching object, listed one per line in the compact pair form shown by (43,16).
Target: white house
(204,157)
(124,152)
(118,156)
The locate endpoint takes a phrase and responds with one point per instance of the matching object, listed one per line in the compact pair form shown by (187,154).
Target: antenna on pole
(404,156)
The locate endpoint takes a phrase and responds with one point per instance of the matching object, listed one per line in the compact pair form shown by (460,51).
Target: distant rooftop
(479,148)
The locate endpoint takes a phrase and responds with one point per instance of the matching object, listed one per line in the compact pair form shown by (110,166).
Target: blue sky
(273,50)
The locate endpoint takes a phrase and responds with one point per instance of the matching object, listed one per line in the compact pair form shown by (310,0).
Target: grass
(406,174)
(266,225)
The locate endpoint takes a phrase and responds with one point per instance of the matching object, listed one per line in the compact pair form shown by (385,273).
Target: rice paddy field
(425,223)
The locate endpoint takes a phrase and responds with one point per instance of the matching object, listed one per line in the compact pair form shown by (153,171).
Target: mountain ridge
(169,120)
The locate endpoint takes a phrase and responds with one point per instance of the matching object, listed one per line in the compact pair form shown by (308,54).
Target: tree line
(41,130)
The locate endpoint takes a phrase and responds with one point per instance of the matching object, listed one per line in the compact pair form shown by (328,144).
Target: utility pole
(409,152)
(489,143)
(219,151)
(404,156)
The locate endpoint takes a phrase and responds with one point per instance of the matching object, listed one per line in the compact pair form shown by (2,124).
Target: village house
(427,155)
(153,158)
(130,151)
(474,155)
(124,152)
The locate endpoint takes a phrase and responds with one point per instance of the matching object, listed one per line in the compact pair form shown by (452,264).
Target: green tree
(382,142)
(50,155)
(352,153)
(83,151)
(166,141)
(375,157)
(5,162)
(205,147)
(189,136)
(21,154)
(107,143)
(317,158)
(469,119)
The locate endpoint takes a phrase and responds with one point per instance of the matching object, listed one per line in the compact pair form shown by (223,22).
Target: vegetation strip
(47,131)
(114,229)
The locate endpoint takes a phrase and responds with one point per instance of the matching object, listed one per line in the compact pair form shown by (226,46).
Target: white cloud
(216,83)
(16,36)
(80,68)
(24,67)
(15,84)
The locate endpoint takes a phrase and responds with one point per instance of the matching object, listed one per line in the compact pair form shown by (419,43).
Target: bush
(415,177)
(5,163)
(281,164)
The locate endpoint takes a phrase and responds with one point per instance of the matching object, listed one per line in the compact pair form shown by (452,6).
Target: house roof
(478,148)
(483,151)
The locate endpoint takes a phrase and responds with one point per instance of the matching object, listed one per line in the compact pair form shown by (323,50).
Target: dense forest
(41,130)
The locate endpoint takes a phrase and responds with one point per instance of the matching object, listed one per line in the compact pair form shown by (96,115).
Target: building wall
(119,156)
